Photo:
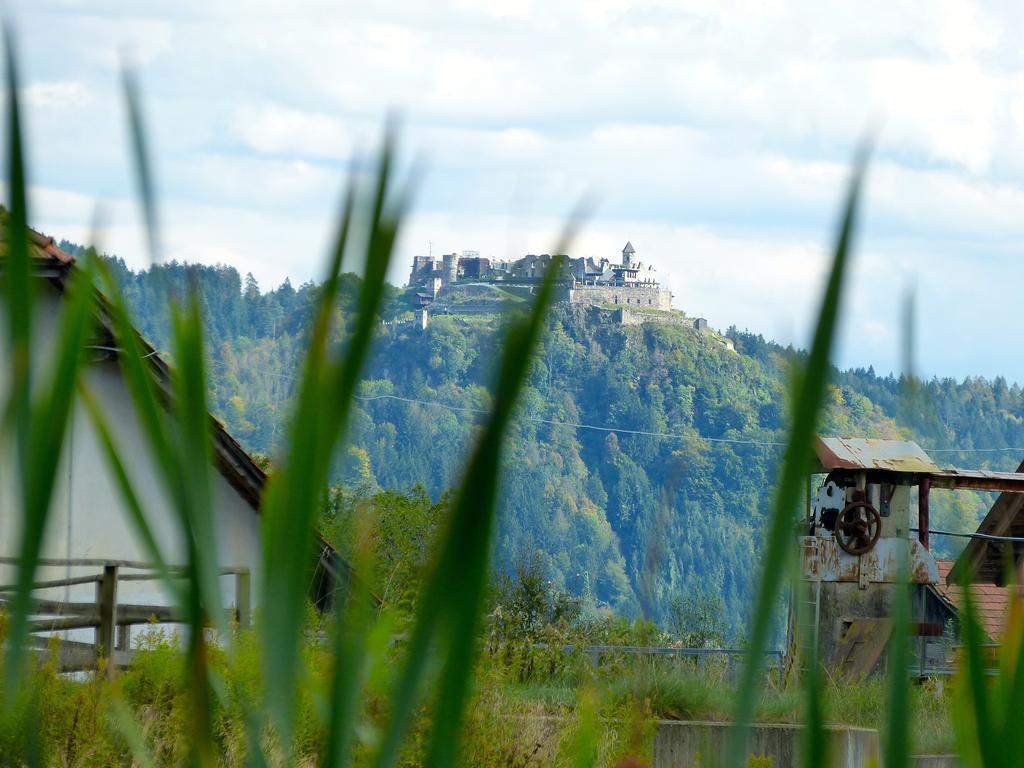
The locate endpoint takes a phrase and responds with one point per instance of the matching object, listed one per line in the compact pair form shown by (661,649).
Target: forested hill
(629,520)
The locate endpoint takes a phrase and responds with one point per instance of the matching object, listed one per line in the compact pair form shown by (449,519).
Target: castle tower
(450,269)
(627,254)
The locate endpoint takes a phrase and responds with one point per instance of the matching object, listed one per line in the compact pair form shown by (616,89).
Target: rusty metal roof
(870,453)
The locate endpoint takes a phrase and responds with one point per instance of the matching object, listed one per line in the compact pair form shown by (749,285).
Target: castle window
(616,299)
(649,301)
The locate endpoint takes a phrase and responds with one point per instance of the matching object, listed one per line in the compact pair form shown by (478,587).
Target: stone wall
(649,295)
(626,316)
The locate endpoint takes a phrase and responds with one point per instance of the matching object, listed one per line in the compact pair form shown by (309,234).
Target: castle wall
(649,295)
(625,316)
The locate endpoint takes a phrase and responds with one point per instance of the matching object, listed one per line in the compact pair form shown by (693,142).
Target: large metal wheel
(858,527)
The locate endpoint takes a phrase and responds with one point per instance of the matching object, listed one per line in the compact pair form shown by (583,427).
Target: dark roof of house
(990,601)
(629,248)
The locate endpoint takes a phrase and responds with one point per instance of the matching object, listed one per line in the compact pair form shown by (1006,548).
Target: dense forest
(640,467)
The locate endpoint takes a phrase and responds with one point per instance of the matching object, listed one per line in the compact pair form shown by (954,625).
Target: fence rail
(699,655)
(111,620)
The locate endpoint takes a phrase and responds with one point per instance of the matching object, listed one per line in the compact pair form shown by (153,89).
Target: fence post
(106,598)
(243,599)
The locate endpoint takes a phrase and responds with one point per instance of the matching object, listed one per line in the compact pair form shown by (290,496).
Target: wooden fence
(111,620)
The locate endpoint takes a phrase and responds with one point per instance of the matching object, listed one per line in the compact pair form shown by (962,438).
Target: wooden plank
(861,648)
(243,600)
(106,596)
(54,583)
(74,656)
(1003,514)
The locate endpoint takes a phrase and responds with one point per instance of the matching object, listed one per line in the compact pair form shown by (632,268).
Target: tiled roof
(45,247)
(42,247)
(990,601)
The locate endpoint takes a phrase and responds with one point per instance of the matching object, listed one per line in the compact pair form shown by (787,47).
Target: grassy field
(527,707)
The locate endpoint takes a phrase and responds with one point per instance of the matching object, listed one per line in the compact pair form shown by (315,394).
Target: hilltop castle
(601,282)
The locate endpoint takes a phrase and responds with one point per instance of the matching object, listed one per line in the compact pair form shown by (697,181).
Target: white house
(88,520)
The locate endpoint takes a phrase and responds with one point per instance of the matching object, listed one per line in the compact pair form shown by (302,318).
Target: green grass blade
(193,458)
(123,721)
(320,421)
(473,521)
(453,592)
(292,488)
(809,393)
(194,428)
(19,288)
(140,381)
(351,631)
(18,294)
(133,507)
(897,732)
(50,416)
(140,154)
(815,747)
(1013,676)
(585,739)
(985,729)
(897,752)
(182,450)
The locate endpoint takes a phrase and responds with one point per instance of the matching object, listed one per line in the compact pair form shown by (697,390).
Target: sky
(717,136)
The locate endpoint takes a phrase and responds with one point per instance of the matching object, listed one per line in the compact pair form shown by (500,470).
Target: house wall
(88,518)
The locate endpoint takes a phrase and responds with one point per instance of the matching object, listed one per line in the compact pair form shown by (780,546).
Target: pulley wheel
(858,527)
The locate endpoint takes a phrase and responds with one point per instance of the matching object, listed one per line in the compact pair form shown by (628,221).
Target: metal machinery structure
(859,541)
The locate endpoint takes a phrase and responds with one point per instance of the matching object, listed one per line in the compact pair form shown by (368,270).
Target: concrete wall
(88,518)
(934,761)
(647,295)
(703,744)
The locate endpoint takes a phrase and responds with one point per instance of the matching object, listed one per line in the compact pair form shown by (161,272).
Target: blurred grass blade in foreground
(176,427)
(319,422)
(40,417)
(808,395)
(450,605)
(897,733)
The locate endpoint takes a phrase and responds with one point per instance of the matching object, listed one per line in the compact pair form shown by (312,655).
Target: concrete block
(681,744)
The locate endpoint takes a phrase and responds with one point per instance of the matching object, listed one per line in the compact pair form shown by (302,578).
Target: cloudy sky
(714,135)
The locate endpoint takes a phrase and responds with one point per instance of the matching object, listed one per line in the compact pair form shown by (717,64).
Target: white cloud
(57,95)
(273,129)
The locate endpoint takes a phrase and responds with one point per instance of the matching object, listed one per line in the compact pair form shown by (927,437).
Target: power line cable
(620,430)
(577,425)
(982,536)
